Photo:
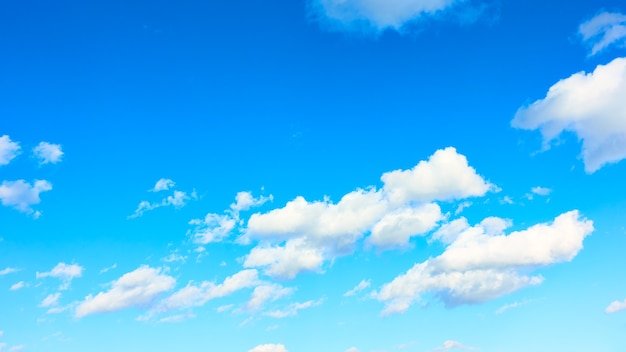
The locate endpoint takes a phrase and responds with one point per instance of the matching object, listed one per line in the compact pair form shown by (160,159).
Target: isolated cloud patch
(21,195)
(303,235)
(8,150)
(48,153)
(269,348)
(137,288)
(64,272)
(592,106)
(603,30)
(616,306)
(483,263)
(378,14)
(451,345)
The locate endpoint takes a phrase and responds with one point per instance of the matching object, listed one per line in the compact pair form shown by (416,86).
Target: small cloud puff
(48,153)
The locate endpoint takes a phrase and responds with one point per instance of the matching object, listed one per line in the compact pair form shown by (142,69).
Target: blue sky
(318,175)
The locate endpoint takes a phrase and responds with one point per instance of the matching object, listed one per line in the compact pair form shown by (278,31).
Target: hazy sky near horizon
(314,175)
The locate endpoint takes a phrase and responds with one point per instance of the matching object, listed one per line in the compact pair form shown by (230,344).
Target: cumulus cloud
(138,288)
(603,30)
(7,271)
(48,153)
(163,184)
(198,294)
(449,345)
(292,309)
(8,150)
(378,14)
(269,348)
(358,288)
(267,293)
(216,227)
(542,191)
(64,272)
(590,105)
(616,307)
(483,263)
(303,235)
(21,195)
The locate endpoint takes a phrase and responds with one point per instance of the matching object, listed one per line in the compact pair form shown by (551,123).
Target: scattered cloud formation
(137,288)
(163,184)
(592,106)
(178,200)
(267,293)
(21,195)
(377,15)
(358,288)
(616,307)
(269,348)
(8,150)
(451,345)
(603,30)
(292,309)
(48,153)
(483,263)
(64,272)
(312,233)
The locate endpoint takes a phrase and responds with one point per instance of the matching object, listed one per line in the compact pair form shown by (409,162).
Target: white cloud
(358,288)
(616,307)
(137,288)
(269,348)
(163,184)
(18,286)
(449,232)
(21,194)
(379,14)
(245,201)
(482,263)
(198,294)
(303,235)
(178,200)
(603,30)
(8,271)
(449,345)
(267,293)
(177,318)
(292,309)
(8,150)
(50,300)
(64,272)
(462,207)
(542,191)
(107,269)
(48,153)
(445,176)
(592,106)
(506,307)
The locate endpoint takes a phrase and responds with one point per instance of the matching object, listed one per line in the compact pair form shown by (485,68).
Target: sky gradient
(319,175)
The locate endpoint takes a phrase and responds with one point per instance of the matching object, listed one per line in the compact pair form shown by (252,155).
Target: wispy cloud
(603,30)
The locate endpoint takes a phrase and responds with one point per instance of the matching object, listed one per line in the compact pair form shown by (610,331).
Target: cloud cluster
(303,235)
(64,272)
(603,30)
(177,199)
(378,14)
(592,106)
(481,262)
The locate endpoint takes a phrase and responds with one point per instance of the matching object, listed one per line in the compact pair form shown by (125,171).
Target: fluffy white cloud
(21,194)
(163,184)
(51,300)
(616,307)
(449,345)
(17,286)
(198,294)
(137,288)
(245,201)
(267,293)
(482,263)
(541,191)
(269,348)
(8,150)
(178,200)
(303,235)
(592,106)
(48,153)
(358,288)
(603,30)
(292,309)
(379,14)
(445,176)
(7,271)
(64,272)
